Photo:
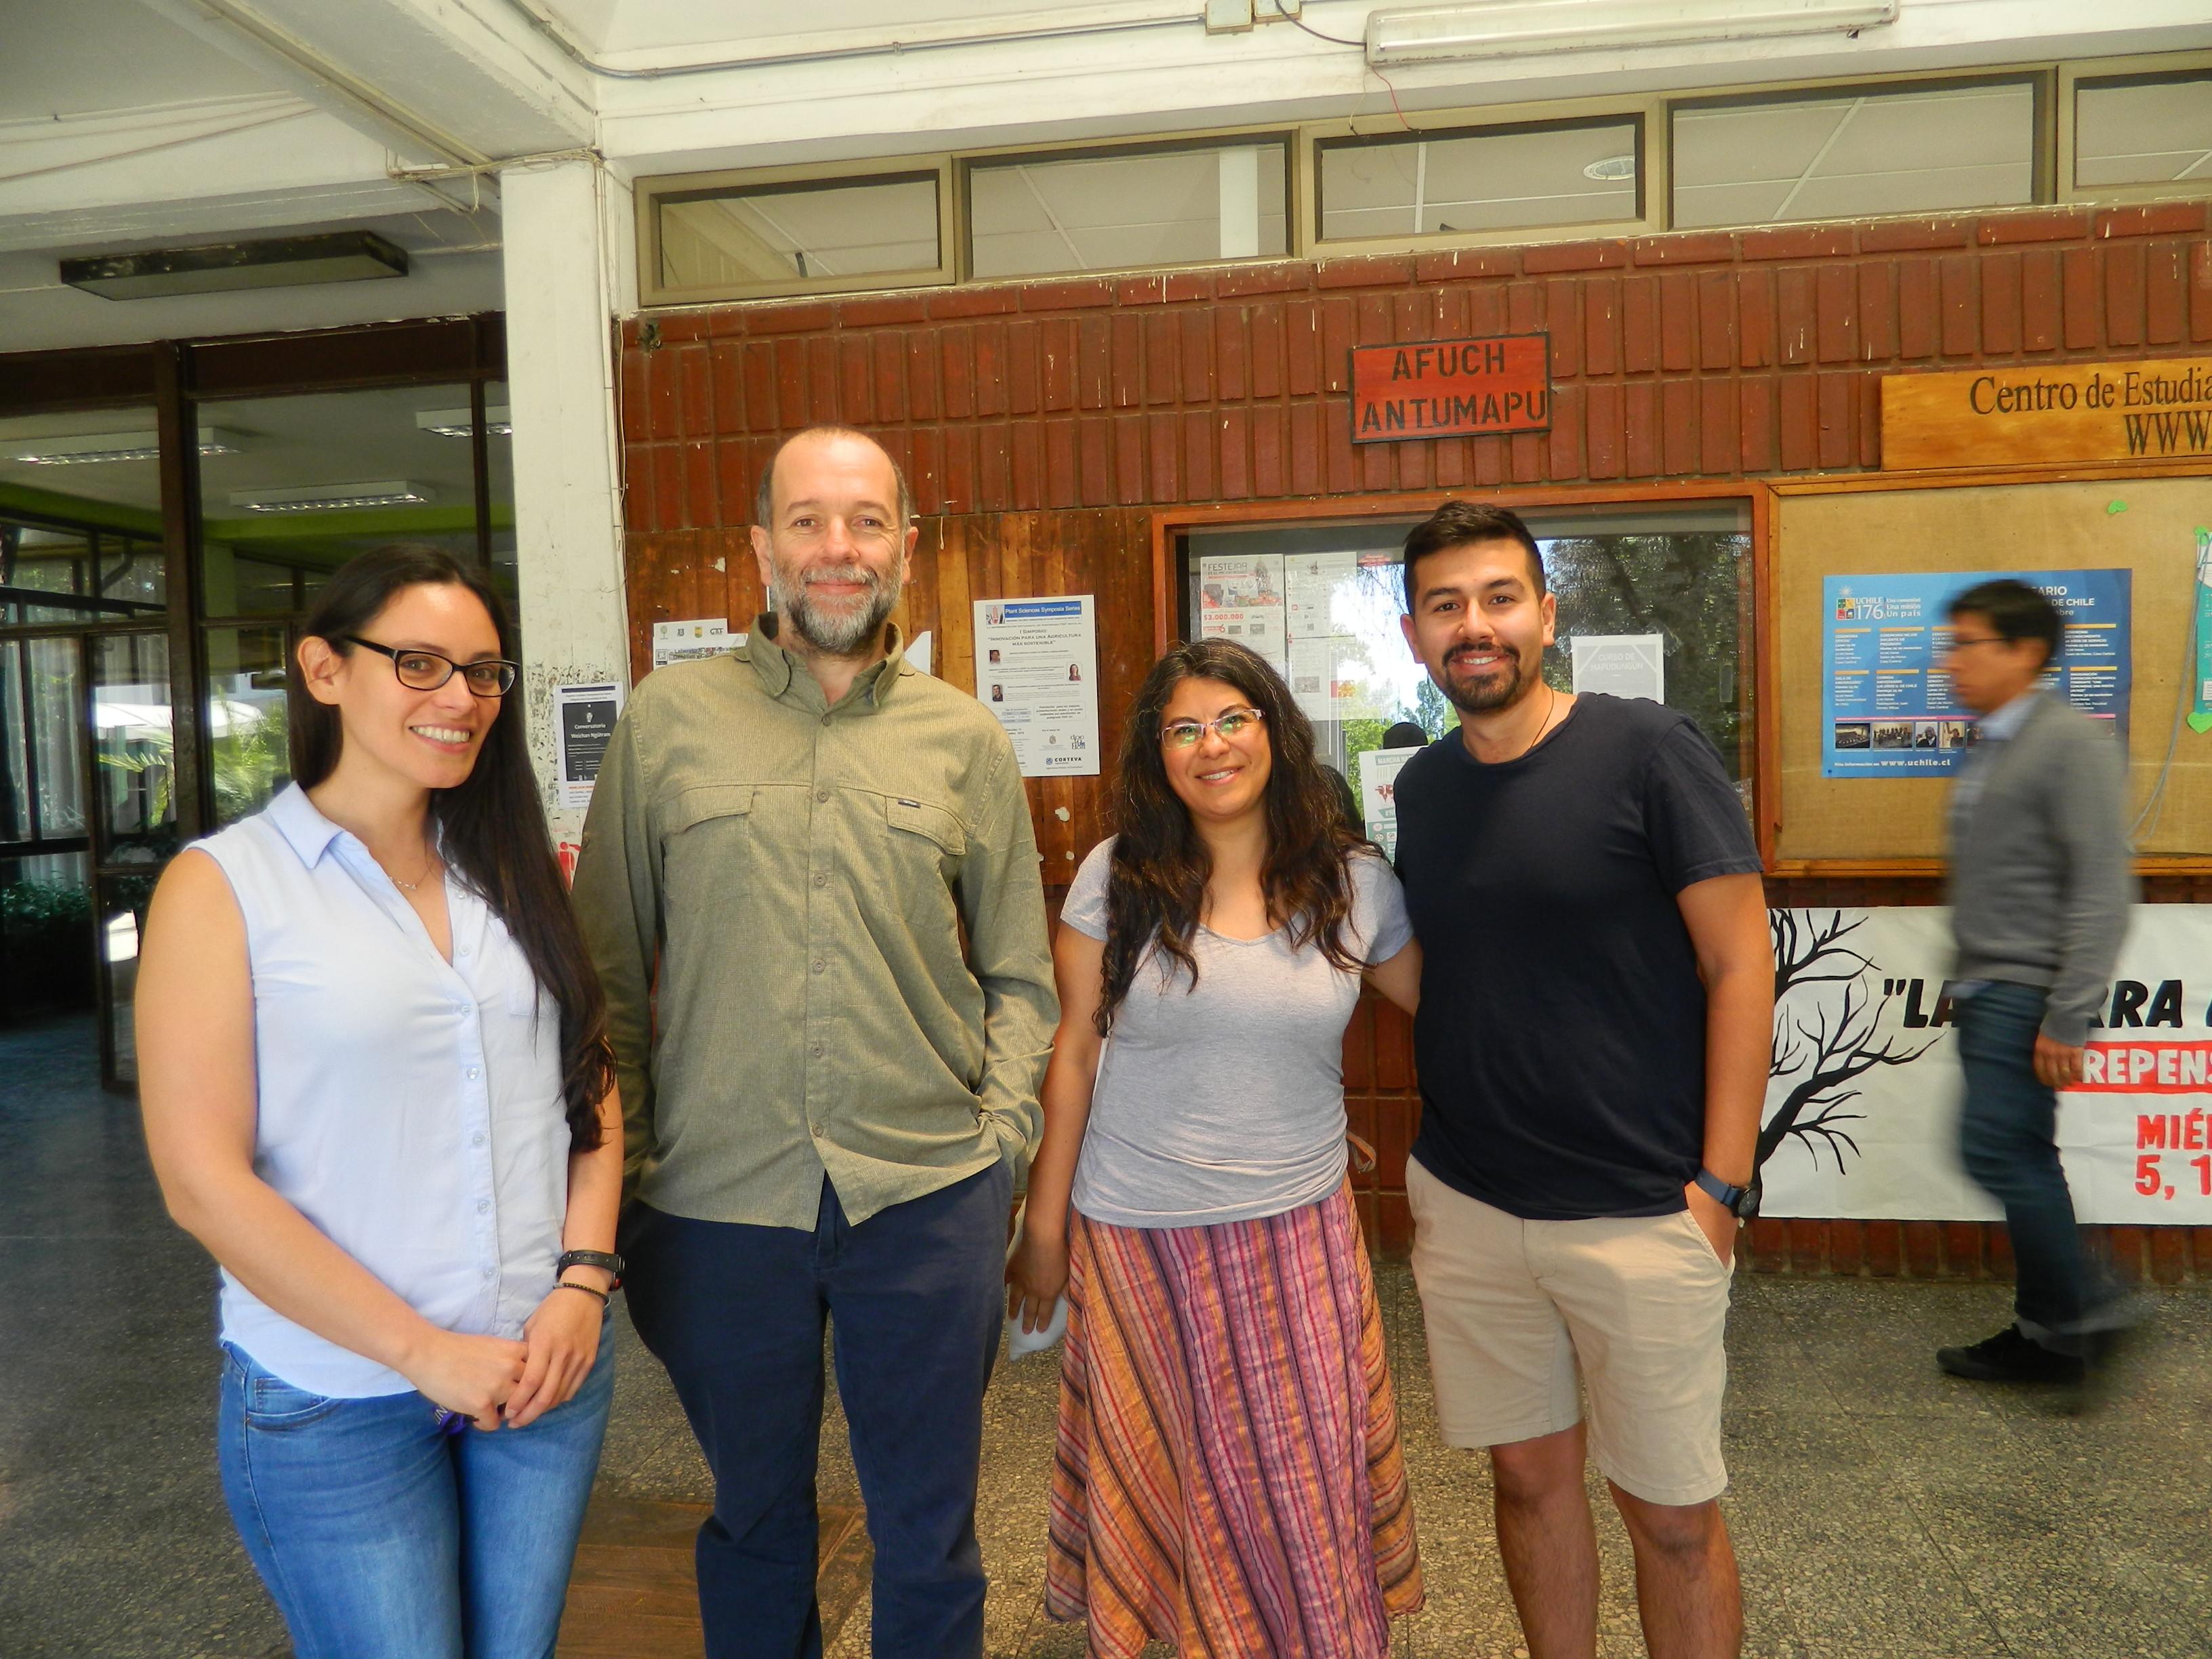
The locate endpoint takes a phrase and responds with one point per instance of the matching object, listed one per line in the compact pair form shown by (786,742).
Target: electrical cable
(1294,18)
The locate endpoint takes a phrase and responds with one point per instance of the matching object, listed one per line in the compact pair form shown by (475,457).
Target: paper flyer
(2200,708)
(1623,665)
(584,719)
(1037,669)
(688,641)
(1241,599)
(1886,708)
(1378,796)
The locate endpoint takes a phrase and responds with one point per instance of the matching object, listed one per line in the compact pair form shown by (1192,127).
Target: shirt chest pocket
(705,836)
(924,848)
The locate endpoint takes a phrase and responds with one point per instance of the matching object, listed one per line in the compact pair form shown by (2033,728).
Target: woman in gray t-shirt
(1229,1477)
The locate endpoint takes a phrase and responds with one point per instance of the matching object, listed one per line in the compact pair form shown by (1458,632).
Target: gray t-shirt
(1225,1103)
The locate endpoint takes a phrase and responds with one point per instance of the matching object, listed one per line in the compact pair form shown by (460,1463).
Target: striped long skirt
(1229,1476)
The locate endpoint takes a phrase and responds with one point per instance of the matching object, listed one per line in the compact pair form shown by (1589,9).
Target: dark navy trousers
(915,1297)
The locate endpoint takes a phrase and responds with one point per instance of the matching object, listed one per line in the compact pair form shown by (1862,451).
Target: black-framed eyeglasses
(1231,723)
(426,670)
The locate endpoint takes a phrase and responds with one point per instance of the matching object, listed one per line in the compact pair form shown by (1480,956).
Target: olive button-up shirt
(820,930)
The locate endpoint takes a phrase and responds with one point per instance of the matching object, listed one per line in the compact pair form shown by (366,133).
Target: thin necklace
(409,886)
(1550,709)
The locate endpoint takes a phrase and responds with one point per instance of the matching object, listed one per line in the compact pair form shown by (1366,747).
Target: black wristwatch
(1741,1202)
(605,1260)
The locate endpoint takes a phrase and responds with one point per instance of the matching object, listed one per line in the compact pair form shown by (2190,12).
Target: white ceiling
(74,57)
(38,312)
(1109,213)
(737,27)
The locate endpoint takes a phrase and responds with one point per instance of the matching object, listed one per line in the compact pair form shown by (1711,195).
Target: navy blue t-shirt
(1561,1037)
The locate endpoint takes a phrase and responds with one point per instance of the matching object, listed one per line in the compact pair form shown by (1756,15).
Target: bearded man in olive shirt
(826,1090)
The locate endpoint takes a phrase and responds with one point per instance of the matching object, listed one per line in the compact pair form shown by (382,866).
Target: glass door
(46,959)
(133,821)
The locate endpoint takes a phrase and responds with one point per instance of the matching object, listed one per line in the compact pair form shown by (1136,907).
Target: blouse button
(483,1204)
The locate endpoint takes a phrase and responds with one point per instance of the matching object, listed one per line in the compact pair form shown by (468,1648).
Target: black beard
(1489,695)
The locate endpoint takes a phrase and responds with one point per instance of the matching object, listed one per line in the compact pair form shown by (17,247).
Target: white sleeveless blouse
(408,1107)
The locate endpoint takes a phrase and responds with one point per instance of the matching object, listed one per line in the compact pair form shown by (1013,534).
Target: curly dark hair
(1156,887)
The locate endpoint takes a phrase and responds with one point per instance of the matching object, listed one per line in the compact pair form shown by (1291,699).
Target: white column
(565,274)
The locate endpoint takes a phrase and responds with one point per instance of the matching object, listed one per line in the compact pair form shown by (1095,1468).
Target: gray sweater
(2040,881)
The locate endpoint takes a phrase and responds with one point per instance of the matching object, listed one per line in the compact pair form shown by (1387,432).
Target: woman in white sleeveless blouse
(377,1087)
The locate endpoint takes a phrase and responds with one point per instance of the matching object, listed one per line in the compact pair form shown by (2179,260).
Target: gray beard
(846,635)
(1498,693)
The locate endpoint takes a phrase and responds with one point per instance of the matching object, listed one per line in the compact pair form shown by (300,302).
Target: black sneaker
(2010,1357)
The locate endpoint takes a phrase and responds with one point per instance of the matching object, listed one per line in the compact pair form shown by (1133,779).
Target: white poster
(1241,599)
(1624,665)
(1862,1104)
(689,641)
(584,719)
(1037,669)
(1378,796)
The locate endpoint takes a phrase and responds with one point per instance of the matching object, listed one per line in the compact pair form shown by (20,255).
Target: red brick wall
(1040,422)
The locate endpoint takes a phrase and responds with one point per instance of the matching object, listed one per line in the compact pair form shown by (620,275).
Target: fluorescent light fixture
(332,498)
(342,255)
(1520,28)
(459,422)
(81,448)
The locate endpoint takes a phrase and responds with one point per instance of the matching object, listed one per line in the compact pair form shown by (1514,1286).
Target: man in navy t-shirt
(1596,1007)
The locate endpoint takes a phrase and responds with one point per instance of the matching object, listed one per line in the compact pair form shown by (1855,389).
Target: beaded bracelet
(563,1285)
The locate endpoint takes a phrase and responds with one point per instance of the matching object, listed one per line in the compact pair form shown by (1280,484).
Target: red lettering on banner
(2146,1068)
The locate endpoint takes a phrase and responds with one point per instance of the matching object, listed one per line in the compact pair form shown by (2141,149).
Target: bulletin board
(2146,524)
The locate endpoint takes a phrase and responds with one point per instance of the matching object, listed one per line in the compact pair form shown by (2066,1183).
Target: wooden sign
(1451,388)
(2023,414)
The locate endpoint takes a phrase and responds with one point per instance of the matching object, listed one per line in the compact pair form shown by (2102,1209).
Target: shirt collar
(307,831)
(2000,724)
(780,668)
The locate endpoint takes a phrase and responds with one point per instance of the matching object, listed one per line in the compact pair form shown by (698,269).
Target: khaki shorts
(1633,1309)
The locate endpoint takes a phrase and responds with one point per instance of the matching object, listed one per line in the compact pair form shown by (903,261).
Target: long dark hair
(1156,889)
(492,827)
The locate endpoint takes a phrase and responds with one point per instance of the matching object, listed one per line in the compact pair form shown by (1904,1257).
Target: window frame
(2043,162)
(652,291)
(2053,84)
(966,163)
(1646,116)
(2119,71)
(1171,527)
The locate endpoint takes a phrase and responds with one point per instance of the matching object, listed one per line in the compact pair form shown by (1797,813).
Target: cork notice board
(2025,526)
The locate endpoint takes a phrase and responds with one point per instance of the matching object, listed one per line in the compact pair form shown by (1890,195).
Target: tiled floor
(1881,1510)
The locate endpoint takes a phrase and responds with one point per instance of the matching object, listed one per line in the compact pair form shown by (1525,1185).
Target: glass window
(2144,130)
(1852,155)
(1322,603)
(310,481)
(247,669)
(81,514)
(1497,179)
(741,236)
(1174,205)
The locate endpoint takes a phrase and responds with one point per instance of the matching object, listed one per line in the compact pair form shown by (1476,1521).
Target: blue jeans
(381,1537)
(2008,1138)
(916,1295)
